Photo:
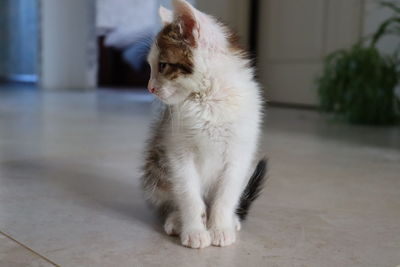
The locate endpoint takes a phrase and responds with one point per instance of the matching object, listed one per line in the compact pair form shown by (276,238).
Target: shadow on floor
(96,187)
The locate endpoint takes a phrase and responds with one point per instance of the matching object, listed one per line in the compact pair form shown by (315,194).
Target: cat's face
(172,66)
(186,52)
(171,58)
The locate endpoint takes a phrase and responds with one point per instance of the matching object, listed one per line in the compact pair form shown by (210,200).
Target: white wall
(295,36)
(233,12)
(68,44)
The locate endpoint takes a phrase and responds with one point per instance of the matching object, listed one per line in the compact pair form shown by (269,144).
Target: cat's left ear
(184,14)
(166,15)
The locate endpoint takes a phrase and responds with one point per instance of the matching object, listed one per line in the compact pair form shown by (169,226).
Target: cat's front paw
(238,224)
(172,225)
(222,237)
(196,238)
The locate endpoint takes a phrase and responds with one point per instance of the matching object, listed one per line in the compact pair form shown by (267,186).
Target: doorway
(19,40)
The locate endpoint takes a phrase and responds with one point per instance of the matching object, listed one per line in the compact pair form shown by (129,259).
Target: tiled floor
(69,190)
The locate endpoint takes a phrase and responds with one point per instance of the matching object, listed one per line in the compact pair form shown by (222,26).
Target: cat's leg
(238,224)
(223,222)
(172,225)
(191,207)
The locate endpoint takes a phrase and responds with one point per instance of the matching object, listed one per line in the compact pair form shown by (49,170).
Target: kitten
(199,159)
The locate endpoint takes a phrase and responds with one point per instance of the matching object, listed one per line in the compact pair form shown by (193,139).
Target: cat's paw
(171,228)
(222,237)
(196,238)
(238,224)
(172,225)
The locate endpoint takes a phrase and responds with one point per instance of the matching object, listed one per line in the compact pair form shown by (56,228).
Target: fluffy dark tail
(253,189)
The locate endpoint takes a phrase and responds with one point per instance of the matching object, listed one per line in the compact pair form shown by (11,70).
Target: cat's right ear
(166,15)
(184,15)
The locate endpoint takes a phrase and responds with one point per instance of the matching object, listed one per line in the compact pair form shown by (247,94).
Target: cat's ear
(166,15)
(184,14)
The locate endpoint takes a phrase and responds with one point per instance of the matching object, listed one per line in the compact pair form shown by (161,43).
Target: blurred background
(92,44)
(75,115)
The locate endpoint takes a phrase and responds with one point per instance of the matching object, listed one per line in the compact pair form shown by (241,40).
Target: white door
(295,36)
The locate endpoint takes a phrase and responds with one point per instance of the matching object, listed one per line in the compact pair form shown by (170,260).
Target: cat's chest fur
(204,127)
(207,119)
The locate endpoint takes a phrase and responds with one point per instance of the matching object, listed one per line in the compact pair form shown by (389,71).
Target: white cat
(199,160)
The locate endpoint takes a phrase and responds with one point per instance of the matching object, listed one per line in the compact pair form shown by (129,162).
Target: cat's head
(178,56)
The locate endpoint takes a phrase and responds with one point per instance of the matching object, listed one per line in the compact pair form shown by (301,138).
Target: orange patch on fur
(175,50)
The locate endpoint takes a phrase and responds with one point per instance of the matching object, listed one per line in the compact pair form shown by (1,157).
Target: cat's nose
(152,89)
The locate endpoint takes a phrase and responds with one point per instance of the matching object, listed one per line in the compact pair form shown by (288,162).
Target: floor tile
(69,189)
(13,254)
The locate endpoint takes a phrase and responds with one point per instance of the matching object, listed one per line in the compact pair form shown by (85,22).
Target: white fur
(216,116)
(166,15)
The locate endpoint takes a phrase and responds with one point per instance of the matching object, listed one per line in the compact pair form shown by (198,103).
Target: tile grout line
(28,248)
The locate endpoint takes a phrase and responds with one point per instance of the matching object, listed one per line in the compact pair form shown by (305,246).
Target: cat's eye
(161,66)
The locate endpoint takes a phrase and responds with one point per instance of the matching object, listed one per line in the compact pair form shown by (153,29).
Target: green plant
(358,84)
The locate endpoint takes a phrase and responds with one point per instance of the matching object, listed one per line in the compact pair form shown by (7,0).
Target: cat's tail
(253,189)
